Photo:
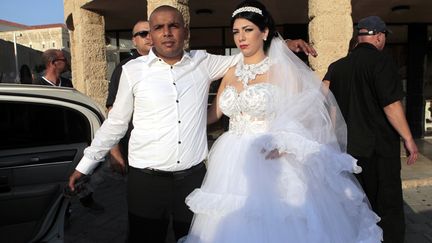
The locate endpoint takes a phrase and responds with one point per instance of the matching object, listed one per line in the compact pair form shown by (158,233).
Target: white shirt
(169,106)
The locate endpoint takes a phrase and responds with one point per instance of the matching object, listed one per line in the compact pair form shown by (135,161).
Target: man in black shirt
(142,42)
(368,90)
(55,64)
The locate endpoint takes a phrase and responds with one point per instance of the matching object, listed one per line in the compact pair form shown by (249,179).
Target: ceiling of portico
(122,14)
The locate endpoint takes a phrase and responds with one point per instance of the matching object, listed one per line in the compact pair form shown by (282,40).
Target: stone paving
(417,184)
(87,226)
(418,214)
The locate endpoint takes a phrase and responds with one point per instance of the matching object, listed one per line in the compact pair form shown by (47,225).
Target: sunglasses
(142,34)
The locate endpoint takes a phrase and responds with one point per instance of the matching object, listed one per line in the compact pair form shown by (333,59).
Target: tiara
(247,9)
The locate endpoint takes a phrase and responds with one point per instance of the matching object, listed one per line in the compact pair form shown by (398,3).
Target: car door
(41,142)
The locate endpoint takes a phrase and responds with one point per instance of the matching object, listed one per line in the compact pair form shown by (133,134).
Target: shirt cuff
(86,165)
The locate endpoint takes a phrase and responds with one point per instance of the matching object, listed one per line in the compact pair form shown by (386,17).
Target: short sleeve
(387,83)
(328,75)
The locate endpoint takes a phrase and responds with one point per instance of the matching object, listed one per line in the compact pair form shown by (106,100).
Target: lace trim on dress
(247,72)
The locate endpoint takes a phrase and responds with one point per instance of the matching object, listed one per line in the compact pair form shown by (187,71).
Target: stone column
(182,5)
(330,31)
(88,52)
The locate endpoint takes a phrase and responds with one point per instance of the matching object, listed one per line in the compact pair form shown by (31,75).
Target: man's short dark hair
(49,56)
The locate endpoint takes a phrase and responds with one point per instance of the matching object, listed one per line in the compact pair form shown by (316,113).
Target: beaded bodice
(251,109)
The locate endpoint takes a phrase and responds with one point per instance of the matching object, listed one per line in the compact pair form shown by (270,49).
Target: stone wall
(88,50)
(330,31)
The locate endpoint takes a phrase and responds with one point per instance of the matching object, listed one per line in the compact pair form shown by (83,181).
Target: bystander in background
(26,76)
(55,64)
(369,93)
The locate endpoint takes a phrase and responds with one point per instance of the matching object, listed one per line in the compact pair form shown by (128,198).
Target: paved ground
(417,183)
(87,226)
(418,214)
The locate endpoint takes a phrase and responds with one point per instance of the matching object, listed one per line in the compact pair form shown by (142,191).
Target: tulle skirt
(312,197)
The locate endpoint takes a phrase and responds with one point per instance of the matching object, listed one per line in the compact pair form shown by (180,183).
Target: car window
(24,125)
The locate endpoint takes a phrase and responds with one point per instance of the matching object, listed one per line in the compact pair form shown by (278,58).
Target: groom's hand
(301,45)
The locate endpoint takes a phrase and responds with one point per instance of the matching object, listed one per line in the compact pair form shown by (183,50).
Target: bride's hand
(274,154)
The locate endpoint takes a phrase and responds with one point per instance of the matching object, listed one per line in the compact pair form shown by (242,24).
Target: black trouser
(153,198)
(381,181)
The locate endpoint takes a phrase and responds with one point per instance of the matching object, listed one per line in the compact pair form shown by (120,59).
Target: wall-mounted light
(204,11)
(400,8)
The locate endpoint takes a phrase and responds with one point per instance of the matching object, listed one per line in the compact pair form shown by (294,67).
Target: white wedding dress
(308,195)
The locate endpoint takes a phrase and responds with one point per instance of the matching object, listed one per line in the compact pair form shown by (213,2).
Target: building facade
(23,45)
(100,25)
(39,37)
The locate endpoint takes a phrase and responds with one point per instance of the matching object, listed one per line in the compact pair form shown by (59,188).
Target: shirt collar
(49,82)
(152,58)
(366,45)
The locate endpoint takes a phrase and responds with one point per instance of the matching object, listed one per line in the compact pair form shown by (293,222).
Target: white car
(43,132)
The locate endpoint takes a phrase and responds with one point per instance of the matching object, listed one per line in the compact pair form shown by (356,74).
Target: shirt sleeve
(387,84)
(218,65)
(113,128)
(113,86)
(327,76)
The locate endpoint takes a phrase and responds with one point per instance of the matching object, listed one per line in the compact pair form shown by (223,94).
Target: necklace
(248,72)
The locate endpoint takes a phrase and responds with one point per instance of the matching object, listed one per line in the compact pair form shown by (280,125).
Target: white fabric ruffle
(246,198)
(309,195)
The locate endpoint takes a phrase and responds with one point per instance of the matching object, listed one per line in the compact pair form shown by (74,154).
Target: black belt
(173,173)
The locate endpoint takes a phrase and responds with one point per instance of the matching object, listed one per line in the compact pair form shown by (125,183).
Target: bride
(280,174)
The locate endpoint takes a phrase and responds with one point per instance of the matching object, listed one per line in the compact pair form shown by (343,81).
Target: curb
(413,183)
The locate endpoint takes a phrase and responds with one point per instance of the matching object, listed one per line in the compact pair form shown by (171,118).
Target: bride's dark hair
(262,21)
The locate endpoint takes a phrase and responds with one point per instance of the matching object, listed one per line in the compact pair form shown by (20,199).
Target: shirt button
(160,60)
(174,83)
(179,121)
(171,67)
(179,142)
(178,162)
(177,101)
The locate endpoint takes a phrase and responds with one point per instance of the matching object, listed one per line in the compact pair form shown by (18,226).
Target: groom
(167,93)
